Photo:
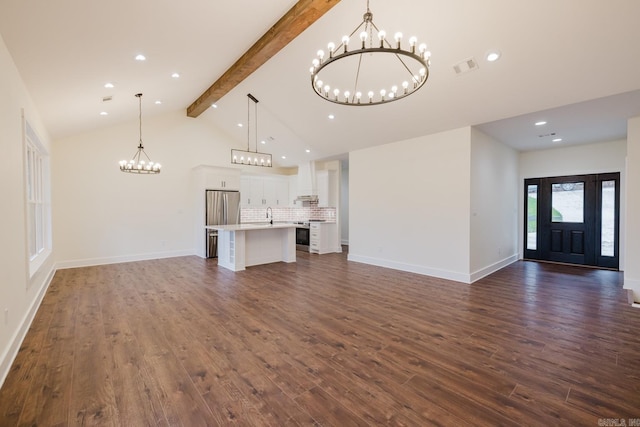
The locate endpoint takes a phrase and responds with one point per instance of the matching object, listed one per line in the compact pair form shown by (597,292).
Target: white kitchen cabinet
(327,186)
(264,191)
(215,178)
(281,193)
(323,238)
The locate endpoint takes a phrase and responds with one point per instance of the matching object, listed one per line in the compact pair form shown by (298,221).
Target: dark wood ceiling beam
(295,21)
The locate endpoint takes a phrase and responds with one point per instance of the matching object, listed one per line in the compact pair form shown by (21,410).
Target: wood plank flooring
(326,342)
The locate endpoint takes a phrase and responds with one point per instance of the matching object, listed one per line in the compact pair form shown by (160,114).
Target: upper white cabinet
(264,191)
(326,184)
(216,178)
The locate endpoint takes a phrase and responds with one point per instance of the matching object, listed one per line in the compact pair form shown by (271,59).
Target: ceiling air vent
(465,66)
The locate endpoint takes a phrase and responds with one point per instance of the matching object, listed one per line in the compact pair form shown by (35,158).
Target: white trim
(9,356)
(120,259)
(419,269)
(484,272)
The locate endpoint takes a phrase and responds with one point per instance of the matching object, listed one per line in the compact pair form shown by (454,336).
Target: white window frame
(37,199)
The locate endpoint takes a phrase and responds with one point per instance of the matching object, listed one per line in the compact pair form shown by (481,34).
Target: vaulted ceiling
(573,63)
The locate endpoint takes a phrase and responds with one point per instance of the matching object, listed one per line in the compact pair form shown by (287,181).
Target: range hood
(307,190)
(309,198)
(307,180)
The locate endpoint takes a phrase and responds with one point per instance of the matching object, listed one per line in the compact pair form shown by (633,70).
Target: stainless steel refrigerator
(222,208)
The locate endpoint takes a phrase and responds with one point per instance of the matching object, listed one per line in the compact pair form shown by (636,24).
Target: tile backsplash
(288,214)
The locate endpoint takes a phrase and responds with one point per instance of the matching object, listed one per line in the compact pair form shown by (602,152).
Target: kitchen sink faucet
(270,215)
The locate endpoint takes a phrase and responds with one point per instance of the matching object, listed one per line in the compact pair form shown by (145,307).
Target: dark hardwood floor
(326,342)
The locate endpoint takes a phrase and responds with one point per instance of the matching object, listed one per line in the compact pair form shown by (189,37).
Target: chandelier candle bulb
(398,38)
(331,48)
(345,42)
(381,35)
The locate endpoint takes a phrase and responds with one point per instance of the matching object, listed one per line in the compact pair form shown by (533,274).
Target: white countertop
(245,227)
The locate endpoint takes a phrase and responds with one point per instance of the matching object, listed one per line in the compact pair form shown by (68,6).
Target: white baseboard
(428,271)
(120,259)
(411,268)
(483,272)
(7,359)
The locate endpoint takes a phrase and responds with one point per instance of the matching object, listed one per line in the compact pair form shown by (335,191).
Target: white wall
(632,246)
(409,205)
(601,157)
(102,215)
(494,205)
(19,295)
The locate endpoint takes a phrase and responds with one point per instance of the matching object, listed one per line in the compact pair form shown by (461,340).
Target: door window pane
(532,217)
(567,202)
(607,241)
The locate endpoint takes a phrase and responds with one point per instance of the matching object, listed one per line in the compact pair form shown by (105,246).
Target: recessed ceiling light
(284,157)
(240,125)
(307,150)
(493,55)
(104,113)
(331,116)
(214,106)
(556,140)
(263,142)
(540,123)
(108,85)
(175,75)
(158,102)
(141,57)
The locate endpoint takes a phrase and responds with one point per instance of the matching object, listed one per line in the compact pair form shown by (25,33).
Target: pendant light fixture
(138,164)
(371,70)
(248,157)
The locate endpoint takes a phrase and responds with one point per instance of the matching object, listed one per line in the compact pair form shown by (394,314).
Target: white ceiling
(562,60)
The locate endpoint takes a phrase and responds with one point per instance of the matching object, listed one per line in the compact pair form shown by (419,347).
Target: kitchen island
(244,245)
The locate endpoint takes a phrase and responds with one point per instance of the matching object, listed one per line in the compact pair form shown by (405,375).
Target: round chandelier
(374,72)
(138,164)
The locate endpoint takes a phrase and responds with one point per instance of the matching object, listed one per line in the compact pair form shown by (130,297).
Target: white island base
(244,245)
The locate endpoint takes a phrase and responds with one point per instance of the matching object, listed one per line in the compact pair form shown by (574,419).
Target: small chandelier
(248,157)
(382,60)
(138,164)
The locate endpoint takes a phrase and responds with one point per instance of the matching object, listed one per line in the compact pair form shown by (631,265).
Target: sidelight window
(607,241)
(532,217)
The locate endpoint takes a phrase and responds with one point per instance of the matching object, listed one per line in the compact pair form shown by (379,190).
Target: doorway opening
(573,219)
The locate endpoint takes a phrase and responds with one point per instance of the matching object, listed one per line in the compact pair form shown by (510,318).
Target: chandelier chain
(140,117)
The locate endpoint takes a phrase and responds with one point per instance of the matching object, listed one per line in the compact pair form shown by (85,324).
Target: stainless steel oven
(302,236)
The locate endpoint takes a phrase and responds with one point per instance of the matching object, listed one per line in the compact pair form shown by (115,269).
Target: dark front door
(573,219)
